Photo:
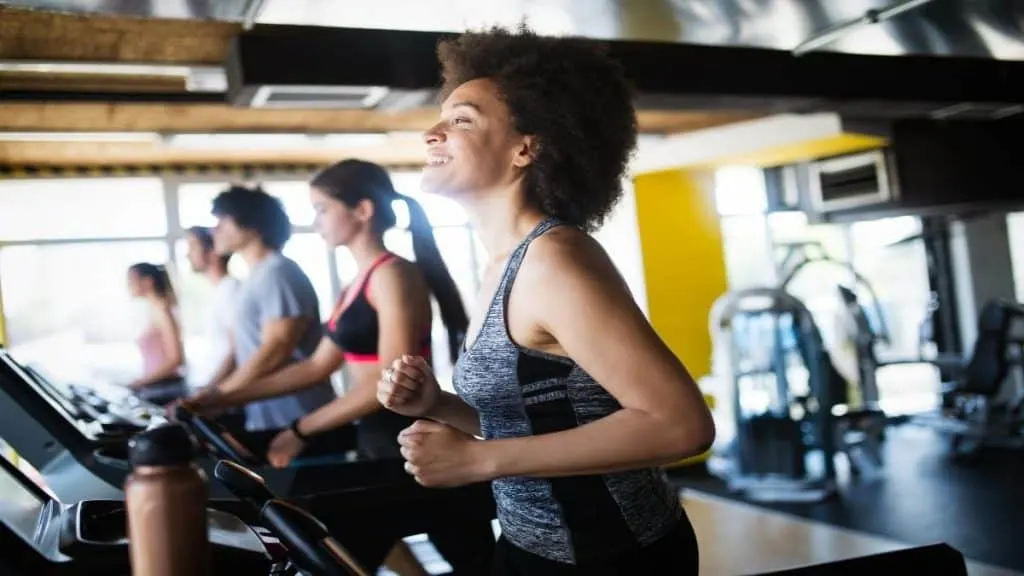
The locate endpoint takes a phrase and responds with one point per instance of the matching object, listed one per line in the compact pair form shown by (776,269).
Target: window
(457,250)
(440,211)
(815,284)
(1015,234)
(70,296)
(898,273)
(67,306)
(294,196)
(347,267)
(310,252)
(794,228)
(80,208)
(741,201)
(756,245)
(740,190)
(748,255)
(195,201)
(399,241)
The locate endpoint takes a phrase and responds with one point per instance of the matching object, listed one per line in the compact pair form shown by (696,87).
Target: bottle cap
(167,445)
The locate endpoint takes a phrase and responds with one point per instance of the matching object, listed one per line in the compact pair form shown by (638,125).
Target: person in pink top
(163,354)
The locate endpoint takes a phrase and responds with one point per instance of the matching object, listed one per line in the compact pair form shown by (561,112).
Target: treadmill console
(118,411)
(74,436)
(97,530)
(99,412)
(41,535)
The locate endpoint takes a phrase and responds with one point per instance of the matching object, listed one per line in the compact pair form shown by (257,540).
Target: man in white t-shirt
(220,315)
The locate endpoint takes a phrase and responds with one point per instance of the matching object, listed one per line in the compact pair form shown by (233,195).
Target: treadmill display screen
(55,393)
(50,394)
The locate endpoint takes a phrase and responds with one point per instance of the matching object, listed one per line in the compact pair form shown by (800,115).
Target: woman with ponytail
(163,355)
(383,316)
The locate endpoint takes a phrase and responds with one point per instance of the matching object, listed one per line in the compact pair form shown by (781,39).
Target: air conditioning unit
(853,181)
(297,97)
(352,97)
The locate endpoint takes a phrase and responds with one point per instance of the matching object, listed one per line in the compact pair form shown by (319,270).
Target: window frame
(171,186)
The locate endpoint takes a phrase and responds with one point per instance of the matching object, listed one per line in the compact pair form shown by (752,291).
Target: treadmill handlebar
(308,542)
(181,413)
(216,436)
(243,483)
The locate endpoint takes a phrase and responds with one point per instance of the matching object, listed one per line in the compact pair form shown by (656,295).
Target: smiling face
(474,147)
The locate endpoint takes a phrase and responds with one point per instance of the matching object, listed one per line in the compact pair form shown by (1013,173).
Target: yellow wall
(684,264)
(846,143)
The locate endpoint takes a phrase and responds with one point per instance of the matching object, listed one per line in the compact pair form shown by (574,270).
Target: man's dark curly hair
(254,209)
(569,95)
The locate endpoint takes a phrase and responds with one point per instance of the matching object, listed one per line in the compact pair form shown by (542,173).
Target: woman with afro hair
(567,400)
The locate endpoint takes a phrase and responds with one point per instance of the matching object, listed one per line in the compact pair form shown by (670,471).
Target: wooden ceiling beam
(35,82)
(222,117)
(405,153)
(43,35)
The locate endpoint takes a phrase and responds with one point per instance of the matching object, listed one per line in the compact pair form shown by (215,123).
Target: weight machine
(984,406)
(792,407)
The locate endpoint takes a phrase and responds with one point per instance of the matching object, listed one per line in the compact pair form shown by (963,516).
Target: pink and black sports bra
(353,325)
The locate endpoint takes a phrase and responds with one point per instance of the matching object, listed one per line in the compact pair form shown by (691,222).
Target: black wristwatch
(294,427)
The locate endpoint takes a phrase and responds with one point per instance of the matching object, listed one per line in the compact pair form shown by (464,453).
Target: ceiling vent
(351,97)
(853,181)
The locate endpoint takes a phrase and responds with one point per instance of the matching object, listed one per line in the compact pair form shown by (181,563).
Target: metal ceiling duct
(304,63)
(228,10)
(972,28)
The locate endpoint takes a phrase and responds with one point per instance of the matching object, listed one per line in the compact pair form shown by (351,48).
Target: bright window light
(237,141)
(740,190)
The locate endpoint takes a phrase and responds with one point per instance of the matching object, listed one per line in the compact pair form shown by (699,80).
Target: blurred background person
(276,314)
(160,343)
(220,313)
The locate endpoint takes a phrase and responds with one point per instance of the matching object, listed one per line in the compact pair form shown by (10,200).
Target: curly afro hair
(254,209)
(569,95)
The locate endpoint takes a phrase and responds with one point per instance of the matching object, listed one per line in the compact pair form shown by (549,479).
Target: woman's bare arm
(327,358)
(399,297)
(588,314)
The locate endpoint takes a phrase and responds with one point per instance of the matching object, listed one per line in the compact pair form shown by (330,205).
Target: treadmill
(39,536)
(77,439)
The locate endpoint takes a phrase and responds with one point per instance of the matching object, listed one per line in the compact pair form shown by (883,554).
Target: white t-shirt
(221,315)
(220,319)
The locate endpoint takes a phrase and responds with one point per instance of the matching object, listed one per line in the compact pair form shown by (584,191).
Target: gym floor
(922,497)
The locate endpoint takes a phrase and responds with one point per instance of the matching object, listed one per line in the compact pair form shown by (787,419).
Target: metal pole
(252,12)
(833,33)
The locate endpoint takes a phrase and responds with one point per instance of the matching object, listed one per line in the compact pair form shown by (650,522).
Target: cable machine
(792,408)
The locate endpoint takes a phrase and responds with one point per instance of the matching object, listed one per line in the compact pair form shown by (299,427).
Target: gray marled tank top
(521,392)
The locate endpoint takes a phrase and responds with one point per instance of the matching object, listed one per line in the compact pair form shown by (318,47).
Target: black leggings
(463,538)
(675,553)
(467,543)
